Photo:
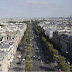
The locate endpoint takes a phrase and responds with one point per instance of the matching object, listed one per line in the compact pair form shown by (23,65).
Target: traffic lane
(37,53)
(39,43)
(35,63)
(41,53)
(44,62)
(46,67)
(37,40)
(40,62)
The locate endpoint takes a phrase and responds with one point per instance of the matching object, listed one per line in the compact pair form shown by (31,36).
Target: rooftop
(5,45)
(2,55)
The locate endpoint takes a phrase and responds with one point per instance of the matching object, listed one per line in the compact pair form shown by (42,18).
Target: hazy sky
(35,8)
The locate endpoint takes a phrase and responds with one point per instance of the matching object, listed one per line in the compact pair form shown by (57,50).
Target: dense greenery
(27,66)
(28,37)
(35,22)
(19,22)
(38,31)
(64,67)
(28,52)
(24,39)
(28,58)
(53,52)
(29,48)
(61,59)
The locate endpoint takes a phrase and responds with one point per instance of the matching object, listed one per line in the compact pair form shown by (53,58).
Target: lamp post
(66,55)
(67,58)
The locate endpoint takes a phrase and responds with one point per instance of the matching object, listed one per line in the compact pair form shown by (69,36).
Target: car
(33,46)
(23,60)
(39,58)
(34,57)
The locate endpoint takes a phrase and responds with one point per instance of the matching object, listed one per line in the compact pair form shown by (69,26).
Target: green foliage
(35,22)
(37,30)
(44,40)
(61,59)
(24,38)
(64,67)
(12,22)
(23,42)
(28,45)
(54,54)
(28,58)
(27,66)
(28,40)
(28,48)
(28,52)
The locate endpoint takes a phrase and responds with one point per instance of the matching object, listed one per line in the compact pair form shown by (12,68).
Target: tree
(64,67)
(44,40)
(28,66)
(61,59)
(50,48)
(54,54)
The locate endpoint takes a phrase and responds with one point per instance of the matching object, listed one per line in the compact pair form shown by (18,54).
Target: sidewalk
(17,66)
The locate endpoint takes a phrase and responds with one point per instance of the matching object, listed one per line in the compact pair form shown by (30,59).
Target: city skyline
(35,8)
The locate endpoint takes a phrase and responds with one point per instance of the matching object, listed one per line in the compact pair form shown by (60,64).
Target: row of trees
(24,38)
(54,53)
(28,35)
(19,22)
(28,52)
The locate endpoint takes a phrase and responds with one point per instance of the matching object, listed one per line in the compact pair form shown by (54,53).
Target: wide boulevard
(41,61)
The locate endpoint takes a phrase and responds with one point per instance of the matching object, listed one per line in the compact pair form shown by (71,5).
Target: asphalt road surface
(40,57)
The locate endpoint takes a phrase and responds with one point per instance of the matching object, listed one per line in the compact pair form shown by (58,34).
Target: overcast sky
(35,8)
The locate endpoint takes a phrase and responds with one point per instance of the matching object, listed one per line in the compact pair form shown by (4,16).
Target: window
(7,38)
(0,65)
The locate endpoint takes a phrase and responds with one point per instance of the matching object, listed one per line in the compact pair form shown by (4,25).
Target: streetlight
(67,58)
(66,55)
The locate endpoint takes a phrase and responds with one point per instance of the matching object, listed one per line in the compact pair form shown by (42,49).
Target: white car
(23,60)
(68,62)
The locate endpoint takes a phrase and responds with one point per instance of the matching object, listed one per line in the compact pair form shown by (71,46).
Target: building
(3,62)
(10,36)
(63,42)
